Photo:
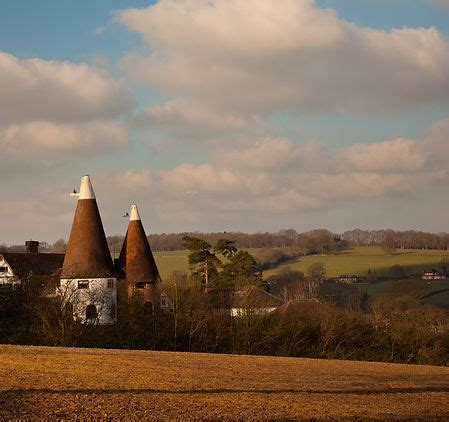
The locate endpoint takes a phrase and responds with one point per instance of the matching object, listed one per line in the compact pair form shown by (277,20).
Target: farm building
(88,285)
(89,277)
(16,267)
(433,275)
(136,264)
(255,301)
(85,277)
(347,279)
(249,300)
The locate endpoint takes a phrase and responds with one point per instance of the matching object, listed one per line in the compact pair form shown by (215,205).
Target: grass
(170,261)
(359,260)
(354,261)
(63,383)
(417,287)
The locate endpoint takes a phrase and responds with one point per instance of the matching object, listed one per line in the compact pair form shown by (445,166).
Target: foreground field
(40,382)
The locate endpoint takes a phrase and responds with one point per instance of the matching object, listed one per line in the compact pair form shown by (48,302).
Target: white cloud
(40,142)
(54,112)
(251,56)
(186,119)
(286,185)
(396,155)
(203,178)
(36,89)
(274,176)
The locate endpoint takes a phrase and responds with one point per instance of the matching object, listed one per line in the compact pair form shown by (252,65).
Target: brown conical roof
(87,254)
(136,262)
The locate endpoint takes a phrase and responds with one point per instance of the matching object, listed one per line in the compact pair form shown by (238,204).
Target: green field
(169,261)
(355,261)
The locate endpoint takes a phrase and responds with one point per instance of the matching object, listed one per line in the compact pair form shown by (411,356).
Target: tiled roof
(41,264)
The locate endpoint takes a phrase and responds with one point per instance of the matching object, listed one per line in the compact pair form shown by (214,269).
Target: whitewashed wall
(98,293)
(8,276)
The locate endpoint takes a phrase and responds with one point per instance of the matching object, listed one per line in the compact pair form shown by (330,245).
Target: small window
(140,285)
(91,312)
(83,284)
(3,269)
(110,284)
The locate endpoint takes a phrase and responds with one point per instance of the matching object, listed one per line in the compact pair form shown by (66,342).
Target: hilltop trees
(202,259)
(391,239)
(240,271)
(238,267)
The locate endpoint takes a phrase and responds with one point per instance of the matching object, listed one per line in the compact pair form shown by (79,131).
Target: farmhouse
(433,275)
(16,267)
(347,279)
(255,301)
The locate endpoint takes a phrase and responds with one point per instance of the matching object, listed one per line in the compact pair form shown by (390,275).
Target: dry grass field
(63,383)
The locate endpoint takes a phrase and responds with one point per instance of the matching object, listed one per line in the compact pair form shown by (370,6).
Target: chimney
(136,262)
(32,246)
(87,254)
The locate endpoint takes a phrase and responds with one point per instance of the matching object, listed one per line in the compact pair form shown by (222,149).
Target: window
(83,284)
(91,312)
(3,269)
(141,285)
(110,284)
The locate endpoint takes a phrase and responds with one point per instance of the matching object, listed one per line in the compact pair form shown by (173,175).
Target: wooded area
(314,241)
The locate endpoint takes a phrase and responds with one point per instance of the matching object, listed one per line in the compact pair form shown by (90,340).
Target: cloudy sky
(211,115)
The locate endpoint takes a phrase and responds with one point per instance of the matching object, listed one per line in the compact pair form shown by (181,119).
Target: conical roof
(136,262)
(87,254)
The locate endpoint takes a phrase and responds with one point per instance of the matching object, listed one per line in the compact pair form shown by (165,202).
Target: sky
(221,115)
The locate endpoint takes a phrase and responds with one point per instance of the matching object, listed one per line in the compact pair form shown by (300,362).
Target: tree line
(312,242)
(396,329)
(391,239)
(289,314)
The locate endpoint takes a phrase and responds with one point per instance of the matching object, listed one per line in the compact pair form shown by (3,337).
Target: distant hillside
(41,382)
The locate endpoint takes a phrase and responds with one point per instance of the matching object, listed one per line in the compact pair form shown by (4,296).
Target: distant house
(16,267)
(164,302)
(249,300)
(347,279)
(433,275)
(252,300)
